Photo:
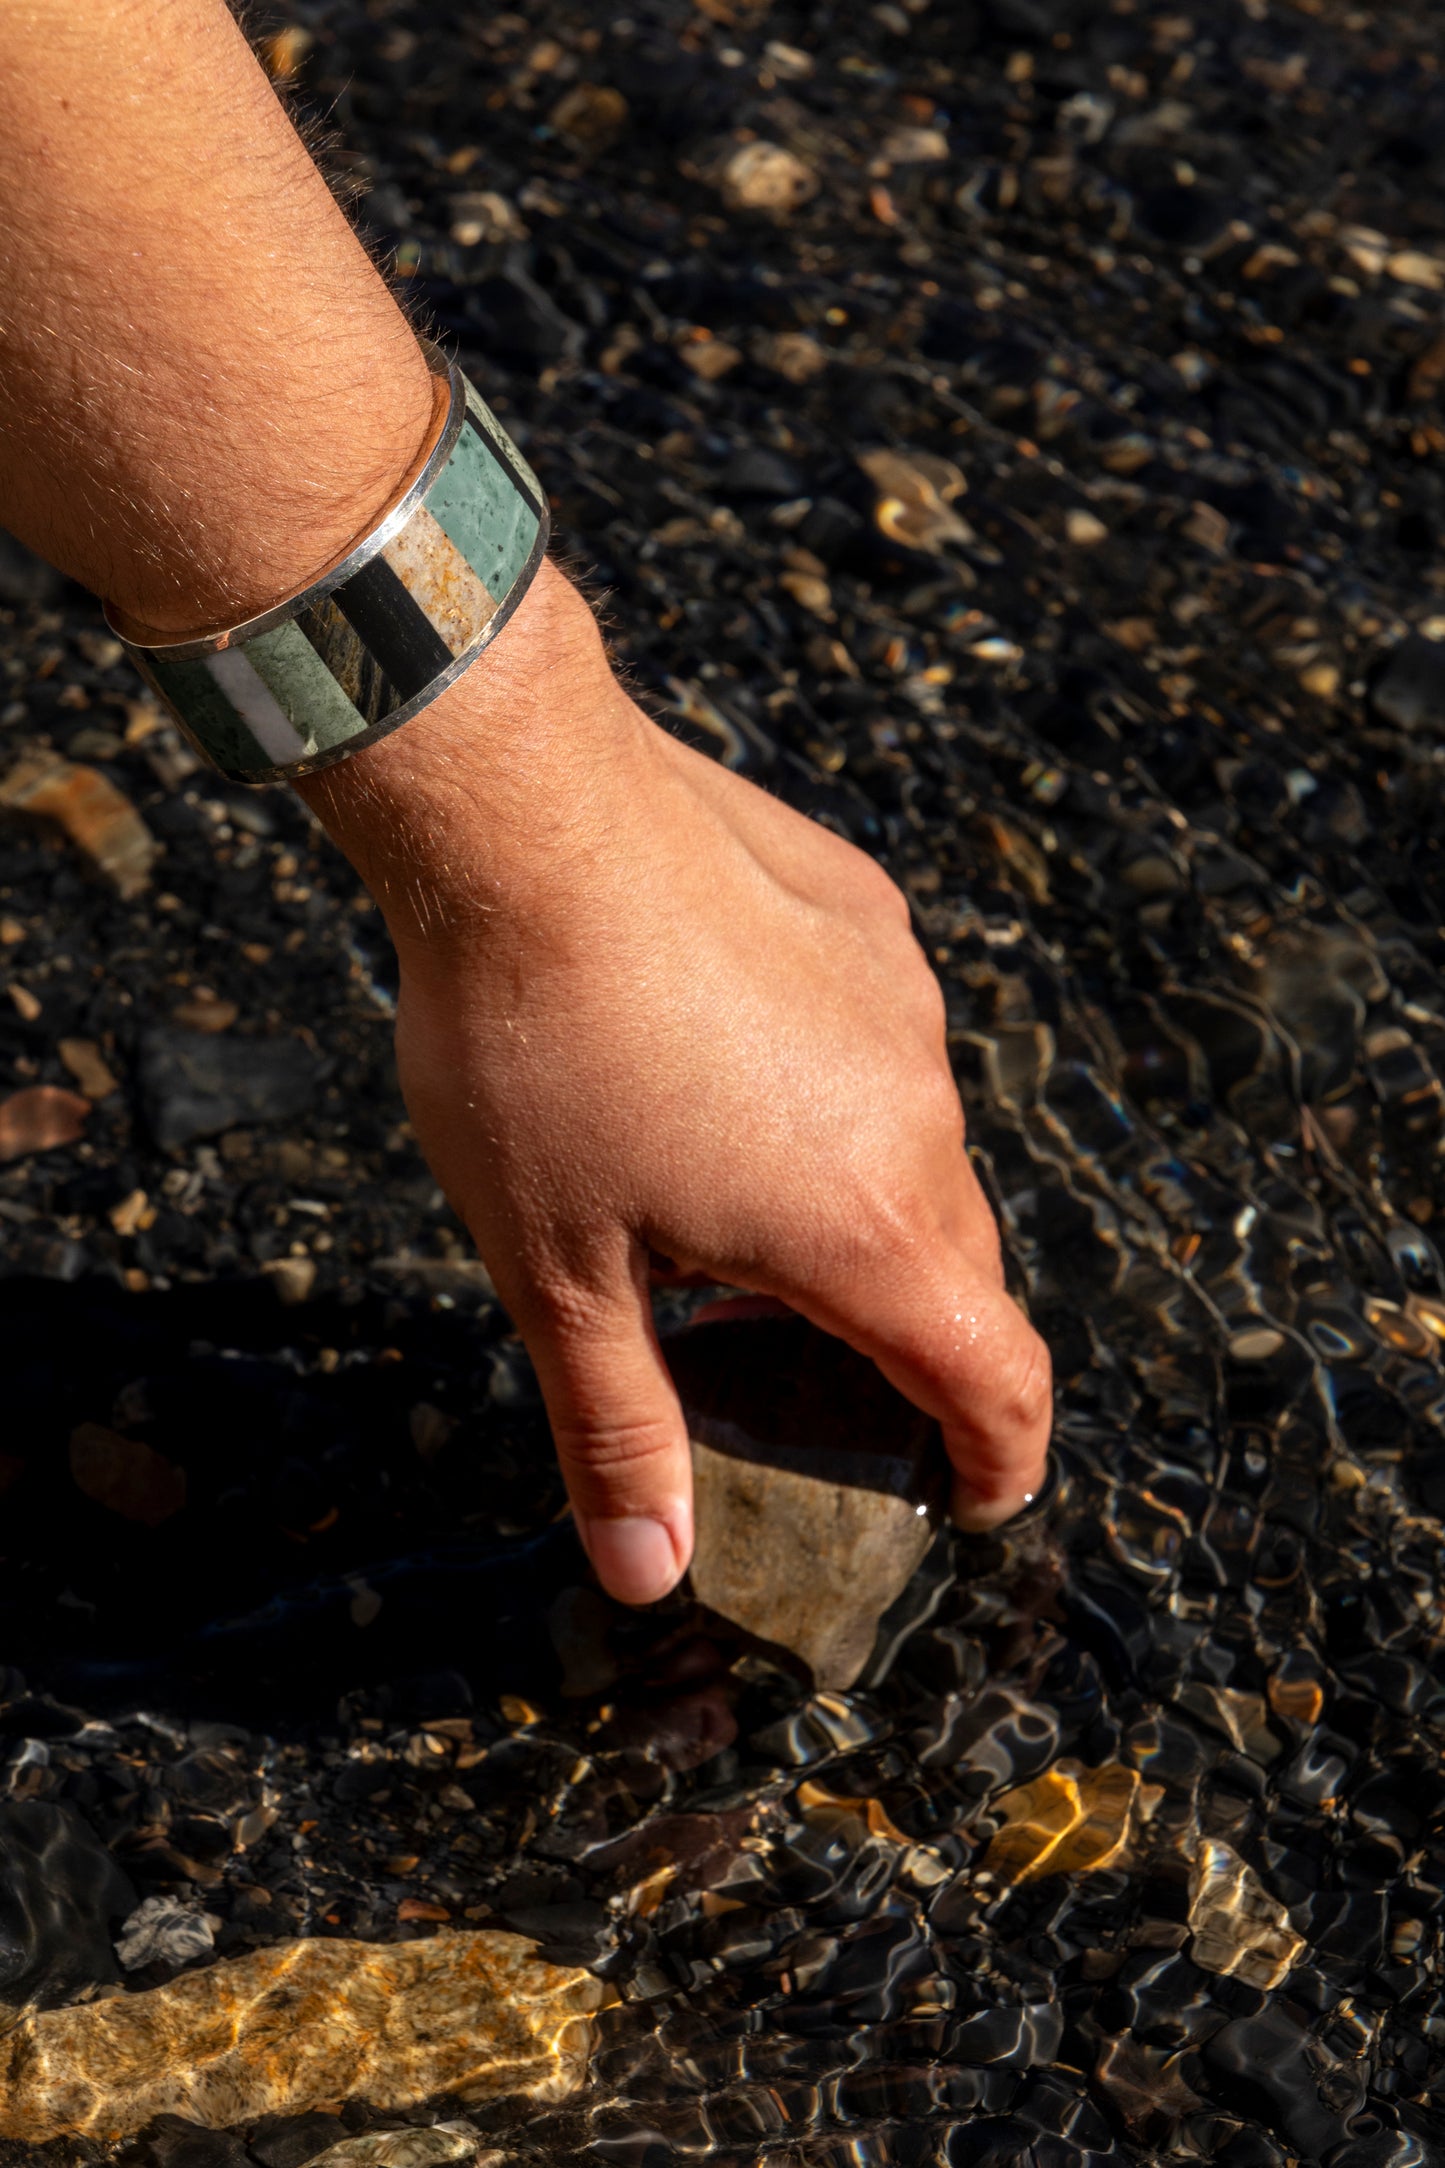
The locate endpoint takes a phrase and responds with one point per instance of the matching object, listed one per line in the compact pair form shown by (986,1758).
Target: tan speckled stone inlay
(304,2025)
(441,582)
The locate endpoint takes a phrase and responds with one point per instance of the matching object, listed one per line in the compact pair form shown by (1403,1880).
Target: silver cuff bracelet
(384,631)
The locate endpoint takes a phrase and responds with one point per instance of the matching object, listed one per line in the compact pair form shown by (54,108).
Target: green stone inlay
(482,415)
(304,688)
(477,507)
(207,714)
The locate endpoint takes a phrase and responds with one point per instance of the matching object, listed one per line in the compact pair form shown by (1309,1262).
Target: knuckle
(939,1107)
(879,890)
(1026,1384)
(574,1298)
(895,1232)
(614,1444)
(926,1002)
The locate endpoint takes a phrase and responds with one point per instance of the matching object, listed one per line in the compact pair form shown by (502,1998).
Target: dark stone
(1024,2034)
(518,318)
(1249,2149)
(172,2142)
(830,528)
(35,1716)
(359,1780)
(753,471)
(289,2141)
(194,1084)
(1259,2064)
(565,1934)
(1385,2149)
(955,328)
(62,1897)
(26,581)
(1408,688)
(1188,217)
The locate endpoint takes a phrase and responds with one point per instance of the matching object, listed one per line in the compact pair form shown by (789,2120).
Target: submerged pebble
(297,2025)
(818,1488)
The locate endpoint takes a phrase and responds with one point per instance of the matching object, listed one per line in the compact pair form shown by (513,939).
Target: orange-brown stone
(1070,1820)
(39,1118)
(299,2026)
(99,819)
(125,1475)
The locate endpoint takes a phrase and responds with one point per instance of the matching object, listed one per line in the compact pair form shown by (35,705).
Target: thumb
(620,1435)
(955,1343)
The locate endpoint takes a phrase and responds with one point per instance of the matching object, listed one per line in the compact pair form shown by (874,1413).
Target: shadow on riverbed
(206,1494)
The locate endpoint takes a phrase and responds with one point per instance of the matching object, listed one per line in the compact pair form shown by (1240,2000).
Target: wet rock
(710,358)
(299,2024)
(792,354)
(290,2141)
(579,1624)
(591,116)
(61,1895)
(482,214)
(163,1930)
(40,1119)
(754,471)
(1237,1927)
(197,1085)
(292,1277)
(1067,1821)
(98,818)
(521,319)
(765,177)
(1187,216)
(1264,2064)
(430,2147)
(914,147)
(205,1012)
(1083,528)
(86,1063)
(818,1487)
(915,499)
(283,53)
(125,1475)
(26,581)
(1408,689)
(171,2142)
(1147,2086)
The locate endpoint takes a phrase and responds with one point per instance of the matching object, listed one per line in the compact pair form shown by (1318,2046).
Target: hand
(644,1008)
(647,1009)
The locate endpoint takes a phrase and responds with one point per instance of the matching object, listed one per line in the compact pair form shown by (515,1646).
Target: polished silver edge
(335,754)
(371,545)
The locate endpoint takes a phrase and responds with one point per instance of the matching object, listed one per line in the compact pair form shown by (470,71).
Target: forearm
(206,389)
(207,392)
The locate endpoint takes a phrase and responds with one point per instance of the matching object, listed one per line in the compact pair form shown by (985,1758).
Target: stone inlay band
(377,638)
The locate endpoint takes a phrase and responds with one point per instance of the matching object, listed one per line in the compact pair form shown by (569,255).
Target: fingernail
(975,1514)
(635,1558)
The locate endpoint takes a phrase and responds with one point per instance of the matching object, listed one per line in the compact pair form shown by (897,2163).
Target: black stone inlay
(398,633)
(350,661)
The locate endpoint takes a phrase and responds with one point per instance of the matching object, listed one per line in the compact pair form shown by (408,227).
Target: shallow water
(1131,1845)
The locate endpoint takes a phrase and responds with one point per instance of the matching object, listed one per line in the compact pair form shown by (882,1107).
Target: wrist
(460,820)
